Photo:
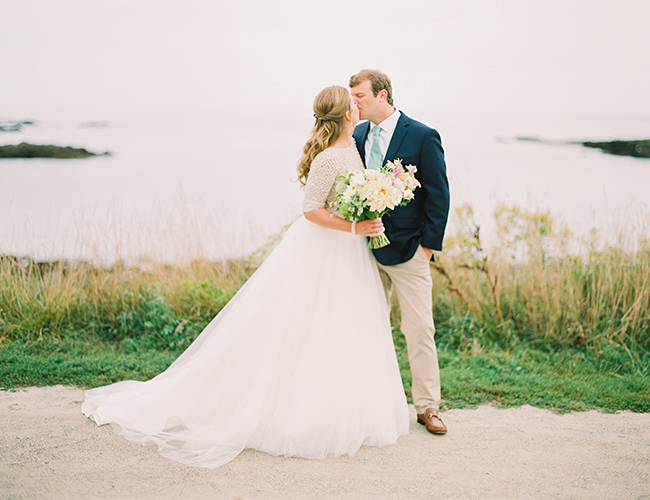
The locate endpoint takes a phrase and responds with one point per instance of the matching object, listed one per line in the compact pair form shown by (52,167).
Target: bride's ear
(346,116)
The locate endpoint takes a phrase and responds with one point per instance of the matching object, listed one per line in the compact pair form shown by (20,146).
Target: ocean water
(218,183)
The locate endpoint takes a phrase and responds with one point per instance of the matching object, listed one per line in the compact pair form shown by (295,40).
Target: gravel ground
(48,449)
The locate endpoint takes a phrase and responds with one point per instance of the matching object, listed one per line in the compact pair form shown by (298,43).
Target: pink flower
(397,168)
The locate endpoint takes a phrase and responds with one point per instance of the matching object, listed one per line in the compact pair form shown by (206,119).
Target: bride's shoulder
(334,156)
(327,155)
(339,151)
(329,162)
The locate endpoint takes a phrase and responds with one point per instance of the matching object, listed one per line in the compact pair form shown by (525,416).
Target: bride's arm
(321,216)
(322,175)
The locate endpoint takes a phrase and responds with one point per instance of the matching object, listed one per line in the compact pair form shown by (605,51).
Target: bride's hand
(369,227)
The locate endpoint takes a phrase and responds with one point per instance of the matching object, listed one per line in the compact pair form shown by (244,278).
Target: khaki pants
(412,283)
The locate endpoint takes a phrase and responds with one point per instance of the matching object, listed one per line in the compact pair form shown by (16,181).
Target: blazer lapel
(398,136)
(360,134)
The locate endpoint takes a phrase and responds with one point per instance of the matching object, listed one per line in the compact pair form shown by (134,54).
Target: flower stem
(378,241)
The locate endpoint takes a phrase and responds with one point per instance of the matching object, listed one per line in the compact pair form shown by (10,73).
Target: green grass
(570,380)
(77,364)
(560,381)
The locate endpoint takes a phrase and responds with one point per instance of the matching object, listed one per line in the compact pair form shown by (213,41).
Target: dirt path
(48,449)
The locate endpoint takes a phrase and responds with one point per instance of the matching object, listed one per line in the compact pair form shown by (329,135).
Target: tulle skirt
(299,363)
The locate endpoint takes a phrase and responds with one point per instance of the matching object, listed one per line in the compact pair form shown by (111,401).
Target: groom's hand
(428,252)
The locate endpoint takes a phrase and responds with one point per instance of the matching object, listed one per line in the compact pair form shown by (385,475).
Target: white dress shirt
(386,134)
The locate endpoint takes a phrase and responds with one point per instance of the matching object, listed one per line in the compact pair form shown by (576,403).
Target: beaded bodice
(322,180)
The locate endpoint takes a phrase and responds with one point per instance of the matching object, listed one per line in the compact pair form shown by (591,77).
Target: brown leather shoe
(432,422)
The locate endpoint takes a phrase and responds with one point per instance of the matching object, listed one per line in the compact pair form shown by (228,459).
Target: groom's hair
(378,81)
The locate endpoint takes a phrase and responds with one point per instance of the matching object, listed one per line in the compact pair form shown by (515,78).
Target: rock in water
(25,150)
(637,149)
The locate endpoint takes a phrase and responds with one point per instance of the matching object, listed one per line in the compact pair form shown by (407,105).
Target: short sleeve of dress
(323,173)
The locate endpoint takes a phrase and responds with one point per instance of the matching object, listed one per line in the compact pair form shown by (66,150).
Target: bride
(301,361)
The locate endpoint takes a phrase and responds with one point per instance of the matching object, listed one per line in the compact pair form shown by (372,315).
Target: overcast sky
(576,56)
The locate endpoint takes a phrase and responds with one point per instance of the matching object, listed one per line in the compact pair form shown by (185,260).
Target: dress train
(299,363)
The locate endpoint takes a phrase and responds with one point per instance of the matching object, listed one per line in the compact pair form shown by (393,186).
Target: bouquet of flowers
(369,194)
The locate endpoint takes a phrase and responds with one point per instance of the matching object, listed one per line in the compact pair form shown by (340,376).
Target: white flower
(349,193)
(372,174)
(412,183)
(357,179)
(381,194)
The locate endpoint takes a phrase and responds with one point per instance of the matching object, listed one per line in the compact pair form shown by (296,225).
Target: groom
(414,230)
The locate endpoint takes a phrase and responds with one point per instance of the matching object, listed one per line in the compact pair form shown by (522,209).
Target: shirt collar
(390,123)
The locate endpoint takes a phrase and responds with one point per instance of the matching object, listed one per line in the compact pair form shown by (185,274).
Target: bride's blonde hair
(330,106)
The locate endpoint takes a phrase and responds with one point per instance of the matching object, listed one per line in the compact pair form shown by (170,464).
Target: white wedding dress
(299,363)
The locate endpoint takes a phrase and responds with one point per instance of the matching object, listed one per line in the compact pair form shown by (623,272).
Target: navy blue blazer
(423,220)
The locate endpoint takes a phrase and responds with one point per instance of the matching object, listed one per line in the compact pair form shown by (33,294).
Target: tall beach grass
(531,288)
(542,286)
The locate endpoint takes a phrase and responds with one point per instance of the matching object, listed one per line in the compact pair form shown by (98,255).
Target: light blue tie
(375,151)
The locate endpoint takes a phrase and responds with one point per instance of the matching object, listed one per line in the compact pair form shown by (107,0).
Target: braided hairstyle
(330,106)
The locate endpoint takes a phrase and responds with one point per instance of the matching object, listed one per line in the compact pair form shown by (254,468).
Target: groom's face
(367,103)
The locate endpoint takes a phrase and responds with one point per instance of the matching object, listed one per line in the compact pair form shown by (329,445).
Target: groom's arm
(433,176)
